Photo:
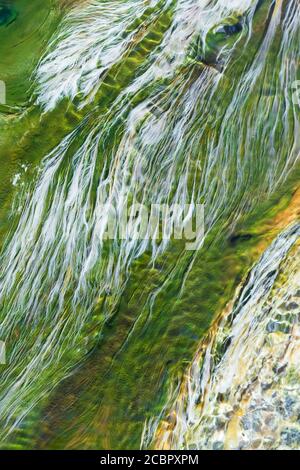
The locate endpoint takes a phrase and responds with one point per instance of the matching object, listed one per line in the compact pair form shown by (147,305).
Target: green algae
(7,15)
(113,384)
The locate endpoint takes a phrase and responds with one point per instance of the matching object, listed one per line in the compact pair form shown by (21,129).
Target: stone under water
(7,15)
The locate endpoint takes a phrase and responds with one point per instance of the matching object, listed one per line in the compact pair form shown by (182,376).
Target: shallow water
(127,102)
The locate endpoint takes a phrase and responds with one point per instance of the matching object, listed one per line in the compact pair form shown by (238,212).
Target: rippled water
(121,102)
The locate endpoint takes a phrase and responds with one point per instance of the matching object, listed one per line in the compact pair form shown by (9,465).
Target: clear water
(131,101)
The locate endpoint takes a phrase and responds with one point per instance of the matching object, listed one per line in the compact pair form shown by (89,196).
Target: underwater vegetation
(128,342)
(7,15)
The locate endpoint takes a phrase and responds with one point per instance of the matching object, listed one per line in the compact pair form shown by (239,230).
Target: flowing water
(242,389)
(122,102)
